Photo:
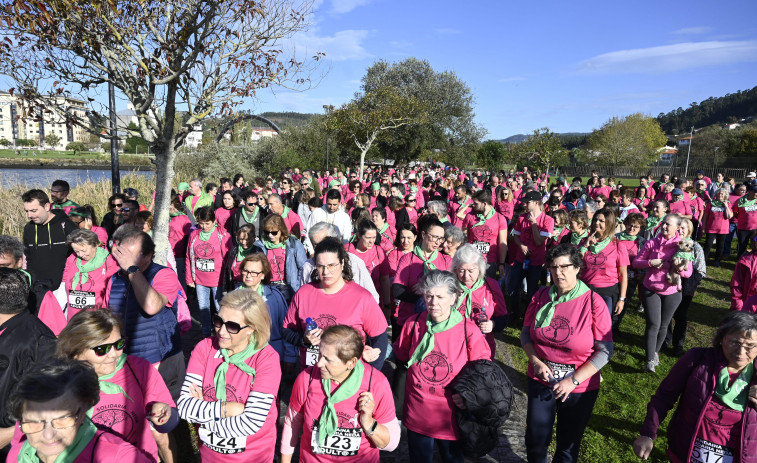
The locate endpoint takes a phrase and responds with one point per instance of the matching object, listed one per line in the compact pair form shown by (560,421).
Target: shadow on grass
(611,427)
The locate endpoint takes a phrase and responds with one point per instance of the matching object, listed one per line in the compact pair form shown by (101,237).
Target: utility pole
(691,139)
(115,170)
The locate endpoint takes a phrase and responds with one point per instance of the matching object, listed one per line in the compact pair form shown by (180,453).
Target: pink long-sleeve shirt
(660,248)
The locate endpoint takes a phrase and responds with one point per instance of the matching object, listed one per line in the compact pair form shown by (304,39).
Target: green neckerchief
(484,217)
(468,296)
(28,275)
(268,245)
(107,387)
(680,198)
(653,221)
(556,233)
(734,395)
(426,344)
(384,228)
(745,202)
(66,203)
(285,213)
(176,214)
(328,422)
(84,435)
(716,203)
(597,247)
(427,263)
(444,219)
(82,274)
(547,311)
(219,381)
(463,201)
(576,239)
(205,236)
(684,255)
(623,236)
(84,214)
(242,253)
(249,219)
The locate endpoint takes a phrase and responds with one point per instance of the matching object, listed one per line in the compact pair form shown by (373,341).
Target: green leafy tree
(206,56)
(493,154)
(541,151)
(134,142)
(25,142)
(52,140)
(76,147)
(373,115)
(4,142)
(633,141)
(450,126)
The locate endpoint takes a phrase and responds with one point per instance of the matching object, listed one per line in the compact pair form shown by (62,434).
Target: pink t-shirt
(164,282)
(409,272)
(716,221)
(104,446)
(178,231)
(682,207)
(505,208)
(51,314)
(242,388)
(89,295)
(128,417)
(352,305)
(601,269)
(291,221)
(308,399)
(454,207)
(429,409)
(746,216)
(602,190)
(101,233)
(387,238)
(489,296)
(569,340)
(412,215)
(277,258)
(522,229)
(223,215)
(720,427)
(486,237)
(205,258)
(373,258)
(390,218)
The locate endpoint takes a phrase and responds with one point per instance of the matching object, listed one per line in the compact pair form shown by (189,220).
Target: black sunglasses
(127,209)
(103,349)
(231,327)
(272,232)
(251,204)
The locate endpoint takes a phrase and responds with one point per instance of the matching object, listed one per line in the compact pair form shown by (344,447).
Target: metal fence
(656,171)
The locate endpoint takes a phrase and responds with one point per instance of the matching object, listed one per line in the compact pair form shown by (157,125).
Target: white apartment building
(16,122)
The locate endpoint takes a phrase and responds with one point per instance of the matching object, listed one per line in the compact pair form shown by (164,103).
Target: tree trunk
(164,175)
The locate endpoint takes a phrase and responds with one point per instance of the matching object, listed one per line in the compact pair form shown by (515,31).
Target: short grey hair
(735,323)
(83,236)
(726,189)
(439,278)
(455,233)
(275,196)
(468,254)
(591,206)
(11,246)
(438,208)
(196,181)
(331,230)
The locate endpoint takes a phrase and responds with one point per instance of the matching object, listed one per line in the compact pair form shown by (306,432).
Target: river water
(37,178)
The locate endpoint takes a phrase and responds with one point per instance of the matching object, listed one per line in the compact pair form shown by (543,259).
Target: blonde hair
(689,226)
(254,310)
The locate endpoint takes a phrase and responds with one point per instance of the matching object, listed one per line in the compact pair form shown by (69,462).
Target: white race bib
(205,265)
(560,370)
(220,445)
(718,209)
(707,452)
(311,355)
(750,208)
(483,247)
(343,443)
(81,300)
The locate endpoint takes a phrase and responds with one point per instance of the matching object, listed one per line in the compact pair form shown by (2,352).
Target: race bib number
(81,300)
(205,265)
(217,444)
(559,370)
(483,247)
(750,208)
(343,443)
(707,452)
(718,209)
(311,355)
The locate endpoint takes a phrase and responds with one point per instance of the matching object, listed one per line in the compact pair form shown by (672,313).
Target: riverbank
(32,162)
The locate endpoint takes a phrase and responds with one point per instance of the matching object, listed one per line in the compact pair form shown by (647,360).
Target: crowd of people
(317,289)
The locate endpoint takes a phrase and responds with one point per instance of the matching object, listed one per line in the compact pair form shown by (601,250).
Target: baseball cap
(183,186)
(676,192)
(532,196)
(751,174)
(700,171)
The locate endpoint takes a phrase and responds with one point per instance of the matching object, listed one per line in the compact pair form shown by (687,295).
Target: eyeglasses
(64,422)
(127,209)
(561,268)
(737,345)
(231,327)
(251,272)
(272,232)
(411,200)
(329,267)
(119,205)
(434,238)
(103,349)
(251,204)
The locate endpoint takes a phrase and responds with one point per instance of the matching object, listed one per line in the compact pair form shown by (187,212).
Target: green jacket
(205,200)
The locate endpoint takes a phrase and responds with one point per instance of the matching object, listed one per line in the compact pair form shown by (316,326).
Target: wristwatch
(621,298)
(132,270)
(371,431)
(575,381)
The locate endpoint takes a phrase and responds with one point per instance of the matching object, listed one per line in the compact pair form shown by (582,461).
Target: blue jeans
(421,449)
(181,272)
(514,285)
(203,300)
(572,417)
(729,240)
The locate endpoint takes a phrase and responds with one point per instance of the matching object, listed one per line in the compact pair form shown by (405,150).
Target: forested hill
(721,110)
(288,119)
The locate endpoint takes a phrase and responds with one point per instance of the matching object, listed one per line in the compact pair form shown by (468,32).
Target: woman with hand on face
(132,392)
(716,391)
(84,216)
(230,390)
(343,406)
(332,298)
(567,336)
(50,403)
(481,300)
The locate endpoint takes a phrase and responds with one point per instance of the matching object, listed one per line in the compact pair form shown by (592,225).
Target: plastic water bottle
(310,324)
(525,264)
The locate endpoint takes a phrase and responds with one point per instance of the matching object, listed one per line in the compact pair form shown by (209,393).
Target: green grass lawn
(626,387)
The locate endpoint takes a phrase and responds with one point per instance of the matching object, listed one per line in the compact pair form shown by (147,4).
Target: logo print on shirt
(596,260)
(204,249)
(481,233)
(209,392)
(111,417)
(347,421)
(726,418)
(559,330)
(325,320)
(435,368)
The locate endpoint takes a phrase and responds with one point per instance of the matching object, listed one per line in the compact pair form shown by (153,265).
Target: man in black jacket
(45,241)
(24,340)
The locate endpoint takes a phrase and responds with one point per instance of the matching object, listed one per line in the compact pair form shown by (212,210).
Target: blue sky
(569,66)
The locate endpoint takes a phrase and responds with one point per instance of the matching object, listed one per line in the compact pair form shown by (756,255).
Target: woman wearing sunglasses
(132,392)
(340,385)
(114,217)
(206,253)
(285,253)
(232,273)
(50,403)
(230,390)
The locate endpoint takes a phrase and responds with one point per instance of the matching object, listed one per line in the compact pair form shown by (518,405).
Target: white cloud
(342,46)
(692,30)
(345,6)
(671,58)
(512,79)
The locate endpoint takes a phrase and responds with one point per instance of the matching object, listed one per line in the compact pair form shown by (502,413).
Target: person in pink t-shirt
(343,407)
(366,249)
(746,218)
(567,336)
(404,243)
(134,401)
(84,217)
(487,230)
(715,221)
(223,214)
(505,203)
(385,231)
(435,345)
(232,382)
(460,200)
(482,300)
(87,272)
